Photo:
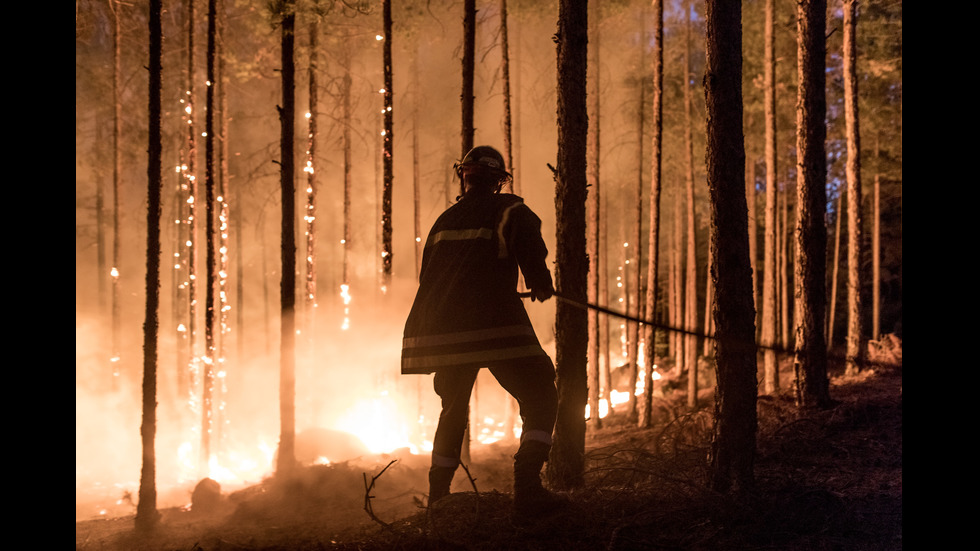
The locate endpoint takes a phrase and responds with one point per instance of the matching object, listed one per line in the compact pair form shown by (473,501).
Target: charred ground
(825,480)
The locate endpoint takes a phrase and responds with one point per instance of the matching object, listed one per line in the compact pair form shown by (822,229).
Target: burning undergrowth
(825,480)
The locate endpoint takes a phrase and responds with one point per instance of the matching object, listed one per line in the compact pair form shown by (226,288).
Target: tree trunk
(146,511)
(115,358)
(691,273)
(677,282)
(594,207)
(876,249)
(634,255)
(347,121)
(811,234)
(835,268)
(709,297)
(102,261)
(751,200)
(207,406)
(854,321)
(223,212)
(567,463)
(310,215)
(416,176)
(768,340)
(386,229)
(785,245)
(287,290)
(653,264)
(505,69)
(469,54)
(733,441)
(192,197)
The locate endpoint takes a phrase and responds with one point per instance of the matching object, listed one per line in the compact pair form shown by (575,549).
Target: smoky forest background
(720,189)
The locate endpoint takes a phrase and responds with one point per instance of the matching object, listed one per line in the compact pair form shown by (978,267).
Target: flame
(375,422)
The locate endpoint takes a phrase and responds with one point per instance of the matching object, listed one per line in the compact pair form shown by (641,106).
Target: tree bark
(505,69)
(691,273)
(207,406)
(768,340)
(287,294)
(115,357)
(567,465)
(594,207)
(653,264)
(634,260)
(386,226)
(469,54)
(733,442)
(192,198)
(853,169)
(811,234)
(146,513)
(835,267)
(876,249)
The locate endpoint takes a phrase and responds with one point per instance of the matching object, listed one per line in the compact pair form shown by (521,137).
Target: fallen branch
(472,480)
(368,497)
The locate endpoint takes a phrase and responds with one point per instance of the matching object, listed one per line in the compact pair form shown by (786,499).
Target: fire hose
(614,313)
(650,323)
(602,309)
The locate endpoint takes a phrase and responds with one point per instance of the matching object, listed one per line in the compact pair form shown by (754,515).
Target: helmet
(486,157)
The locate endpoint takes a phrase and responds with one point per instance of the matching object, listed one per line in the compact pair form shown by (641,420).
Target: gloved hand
(543,293)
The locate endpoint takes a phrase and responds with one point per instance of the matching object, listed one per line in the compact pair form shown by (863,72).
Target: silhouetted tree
(811,234)
(146,511)
(287,290)
(567,464)
(733,441)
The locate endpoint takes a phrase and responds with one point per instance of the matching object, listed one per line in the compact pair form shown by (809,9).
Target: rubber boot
(439,480)
(531,499)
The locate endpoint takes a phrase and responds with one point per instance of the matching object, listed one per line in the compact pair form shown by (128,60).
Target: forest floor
(825,480)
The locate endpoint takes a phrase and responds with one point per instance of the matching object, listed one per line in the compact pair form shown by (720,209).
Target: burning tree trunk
(287,296)
(386,250)
(768,340)
(653,264)
(310,297)
(733,442)
(146,511)
(223,212)
(469,53)
(811,235)
(854,321)
(567,464)
(191,172)
(594,207)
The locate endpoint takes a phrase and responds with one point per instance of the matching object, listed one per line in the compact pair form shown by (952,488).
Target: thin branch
(368,497)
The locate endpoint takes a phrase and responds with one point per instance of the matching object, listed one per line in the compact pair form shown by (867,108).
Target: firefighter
(468,315)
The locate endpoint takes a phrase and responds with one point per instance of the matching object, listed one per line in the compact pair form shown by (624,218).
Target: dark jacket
(467,311)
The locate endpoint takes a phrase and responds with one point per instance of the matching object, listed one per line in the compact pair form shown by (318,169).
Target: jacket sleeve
(529,249)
